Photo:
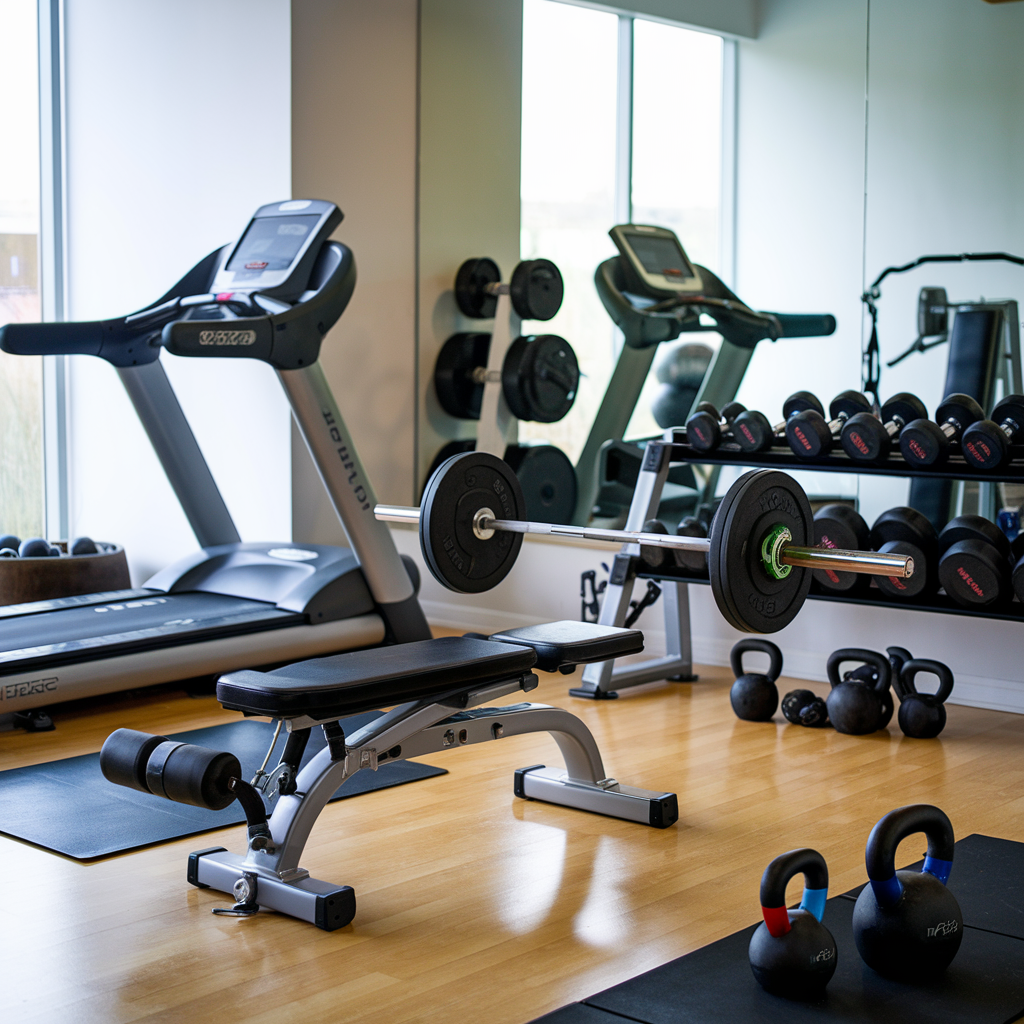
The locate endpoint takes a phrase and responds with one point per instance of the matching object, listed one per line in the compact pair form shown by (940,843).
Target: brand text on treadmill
(227,337)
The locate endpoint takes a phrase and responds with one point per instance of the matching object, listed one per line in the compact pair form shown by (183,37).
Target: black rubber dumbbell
(707,427)
(905,531)
(655,557)
(1017,560)
(986,443)
(694,562)
(974,562)
(753,431)
(810,435)
(924,443)
(866,438)
(839,526)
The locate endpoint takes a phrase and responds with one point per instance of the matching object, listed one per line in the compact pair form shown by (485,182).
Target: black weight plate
(839,526)
(470,283)
(460,396)
(447,451)
(540,377)
(462,486)
(536,289)
(753,600)
(547,479)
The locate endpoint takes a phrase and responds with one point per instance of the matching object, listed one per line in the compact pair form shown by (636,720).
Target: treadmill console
(657,260)
(277,250)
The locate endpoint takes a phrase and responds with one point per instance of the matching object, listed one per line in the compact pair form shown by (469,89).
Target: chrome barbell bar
(873,563)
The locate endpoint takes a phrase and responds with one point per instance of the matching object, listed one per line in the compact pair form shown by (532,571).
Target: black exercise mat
(69,807)
(985,983)
(580,1013)
(988,883)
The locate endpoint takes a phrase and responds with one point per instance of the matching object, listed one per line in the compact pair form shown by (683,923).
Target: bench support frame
(413,730)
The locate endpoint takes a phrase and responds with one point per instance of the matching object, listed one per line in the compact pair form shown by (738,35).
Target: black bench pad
(571,642)
(345,684)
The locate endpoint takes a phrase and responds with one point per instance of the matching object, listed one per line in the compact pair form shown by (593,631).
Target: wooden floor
(473,905)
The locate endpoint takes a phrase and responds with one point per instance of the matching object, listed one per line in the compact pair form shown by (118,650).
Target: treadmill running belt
(121,627)
(68,807)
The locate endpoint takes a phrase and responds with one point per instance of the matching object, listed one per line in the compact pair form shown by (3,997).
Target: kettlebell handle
(754,644)
(883,670)
(898,657)
(776,876)
(906,685)
(890,831)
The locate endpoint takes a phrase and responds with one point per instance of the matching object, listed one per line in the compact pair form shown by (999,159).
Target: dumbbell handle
(871,562)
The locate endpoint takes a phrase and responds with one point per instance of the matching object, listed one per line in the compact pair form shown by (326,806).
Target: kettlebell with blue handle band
(792,953)
(907,925)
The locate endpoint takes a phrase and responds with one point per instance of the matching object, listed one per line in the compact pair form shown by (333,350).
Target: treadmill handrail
(664,321)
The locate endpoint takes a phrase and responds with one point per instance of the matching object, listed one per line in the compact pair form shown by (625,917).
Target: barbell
(471,531)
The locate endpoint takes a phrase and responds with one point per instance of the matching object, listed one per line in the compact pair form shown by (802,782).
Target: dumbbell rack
(603,680)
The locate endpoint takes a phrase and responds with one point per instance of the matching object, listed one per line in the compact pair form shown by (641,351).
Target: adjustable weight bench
(438,686)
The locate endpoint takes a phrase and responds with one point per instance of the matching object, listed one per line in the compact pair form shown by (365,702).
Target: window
(21,388)
(622,121)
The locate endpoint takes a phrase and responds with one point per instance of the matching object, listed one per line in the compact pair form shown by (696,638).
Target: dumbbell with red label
(924,443)
(810,435)
(707,427)
(753,432)
(974,562)
(905,531)
(838,526)
(866,438)
(986,443)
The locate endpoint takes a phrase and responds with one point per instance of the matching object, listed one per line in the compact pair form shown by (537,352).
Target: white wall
(354,142)
(178,125)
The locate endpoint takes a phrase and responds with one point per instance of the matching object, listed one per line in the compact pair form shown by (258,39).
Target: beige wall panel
(470,103)
(354,142)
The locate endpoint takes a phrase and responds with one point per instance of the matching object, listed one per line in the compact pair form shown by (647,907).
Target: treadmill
(273,294)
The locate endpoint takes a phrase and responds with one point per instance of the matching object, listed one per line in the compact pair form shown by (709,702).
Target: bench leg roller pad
(609,797)
(324,904)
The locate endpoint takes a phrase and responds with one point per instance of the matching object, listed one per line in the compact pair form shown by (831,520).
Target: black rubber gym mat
(985,983)
(580,1013)
(69,807)
(988,882)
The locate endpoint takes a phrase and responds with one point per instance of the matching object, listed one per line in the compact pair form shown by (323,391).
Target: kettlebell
(907,924)
(754,695)
(856,705)
(805,707)
(792,953)
(922,715)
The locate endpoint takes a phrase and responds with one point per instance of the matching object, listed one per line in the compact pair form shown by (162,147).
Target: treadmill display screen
(272,243)
(660,255)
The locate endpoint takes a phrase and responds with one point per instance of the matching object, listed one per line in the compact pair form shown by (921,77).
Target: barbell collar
(871,563)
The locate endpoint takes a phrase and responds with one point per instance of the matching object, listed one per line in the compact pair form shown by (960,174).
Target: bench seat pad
(356,681)
(571,642)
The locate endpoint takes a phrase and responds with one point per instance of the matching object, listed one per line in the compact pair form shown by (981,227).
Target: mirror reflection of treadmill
(231,604)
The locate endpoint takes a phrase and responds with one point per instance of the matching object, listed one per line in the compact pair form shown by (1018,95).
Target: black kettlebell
(805,707)
(792,953)
(857,705)
(754,695)
(907,924)
(922,715)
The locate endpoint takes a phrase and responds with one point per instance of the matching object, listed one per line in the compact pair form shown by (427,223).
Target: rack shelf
(894,465)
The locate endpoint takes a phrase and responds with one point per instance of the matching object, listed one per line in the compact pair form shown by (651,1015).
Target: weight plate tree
(471,534)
